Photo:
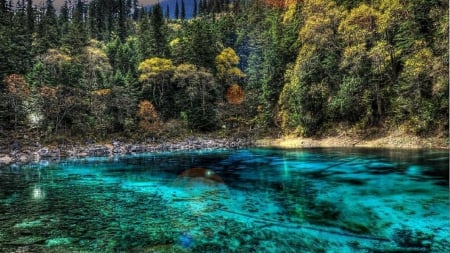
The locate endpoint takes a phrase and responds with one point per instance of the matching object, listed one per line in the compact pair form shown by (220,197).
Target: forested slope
(112,68)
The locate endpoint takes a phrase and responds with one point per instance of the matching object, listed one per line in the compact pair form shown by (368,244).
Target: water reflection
(253,200)
(38,193)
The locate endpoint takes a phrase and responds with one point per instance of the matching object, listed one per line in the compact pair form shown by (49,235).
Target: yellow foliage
(360,24)
(55,57)
(380,56)
(154,67)
(226,65)
(322,20)
(102,92)
(353,56)
(291,6)
(392,12)
(96,59)
(421,62)
(175,42)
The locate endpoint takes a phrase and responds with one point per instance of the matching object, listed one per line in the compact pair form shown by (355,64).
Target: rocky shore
(17,153)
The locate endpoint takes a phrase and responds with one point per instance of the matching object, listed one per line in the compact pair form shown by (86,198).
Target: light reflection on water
(250,200)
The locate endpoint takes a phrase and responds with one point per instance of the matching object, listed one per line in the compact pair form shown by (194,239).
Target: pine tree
(63,19)
(183,10)
(122,20)
(30,16)
(5,12)
(145,36)
(194,12)
(76,37)
(160,45)
(177,10)
(21,38)
(167,12)
(47,32)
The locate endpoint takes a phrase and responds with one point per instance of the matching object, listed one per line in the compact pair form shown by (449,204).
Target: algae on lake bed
(248,200)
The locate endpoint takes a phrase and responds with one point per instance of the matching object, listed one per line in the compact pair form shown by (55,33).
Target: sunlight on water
(250,200)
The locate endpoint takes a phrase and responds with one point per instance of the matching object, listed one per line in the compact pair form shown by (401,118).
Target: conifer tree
(21,40)
(160,46)
(76,37)
(47,32)
(183,10)
(30,16)
(167,12)
(122,20)
(177,10)
(194,12)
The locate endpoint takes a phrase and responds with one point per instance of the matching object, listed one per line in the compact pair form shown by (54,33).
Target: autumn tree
(13,105)
(359,34)
(304,98)
(227,68)
(97,69)
(155,76)
(195,96)
(148,116)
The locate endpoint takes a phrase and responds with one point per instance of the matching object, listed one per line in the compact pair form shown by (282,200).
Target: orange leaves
(46,91)
(17,85)
(148,115)
(235,94)
(147,111)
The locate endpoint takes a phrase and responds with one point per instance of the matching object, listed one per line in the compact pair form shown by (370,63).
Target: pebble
(38,152)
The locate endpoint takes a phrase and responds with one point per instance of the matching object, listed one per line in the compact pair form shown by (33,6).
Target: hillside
(305,69)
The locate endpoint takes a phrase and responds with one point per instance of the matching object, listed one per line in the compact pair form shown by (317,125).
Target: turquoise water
(247,200)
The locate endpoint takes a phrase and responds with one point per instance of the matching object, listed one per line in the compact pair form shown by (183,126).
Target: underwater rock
(58,241)
(5,160)
(412,238)
(29,224)
(26,240)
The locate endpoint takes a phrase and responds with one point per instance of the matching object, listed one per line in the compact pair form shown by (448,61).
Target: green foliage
(196,96)
(350,93)
(156,74)
(308,65)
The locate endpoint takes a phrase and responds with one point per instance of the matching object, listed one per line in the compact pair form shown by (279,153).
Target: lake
(240,200)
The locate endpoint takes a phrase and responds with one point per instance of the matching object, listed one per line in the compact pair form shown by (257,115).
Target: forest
(113,68)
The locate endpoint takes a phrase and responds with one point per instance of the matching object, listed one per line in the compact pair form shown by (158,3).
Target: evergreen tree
(47,33)
(145,36)
(177,10)
(183,10)
(167,12)
(159,45)
(63,19)
(30,16)
(122,13)
(76,37)
(21,40)
(194,11)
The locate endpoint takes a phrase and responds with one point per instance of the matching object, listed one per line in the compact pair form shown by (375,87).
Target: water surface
(247,200)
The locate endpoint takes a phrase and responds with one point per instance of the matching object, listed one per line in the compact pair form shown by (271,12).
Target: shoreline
(344,141)
(37,152)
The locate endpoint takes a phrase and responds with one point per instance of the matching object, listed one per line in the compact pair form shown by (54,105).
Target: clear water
(248,200)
